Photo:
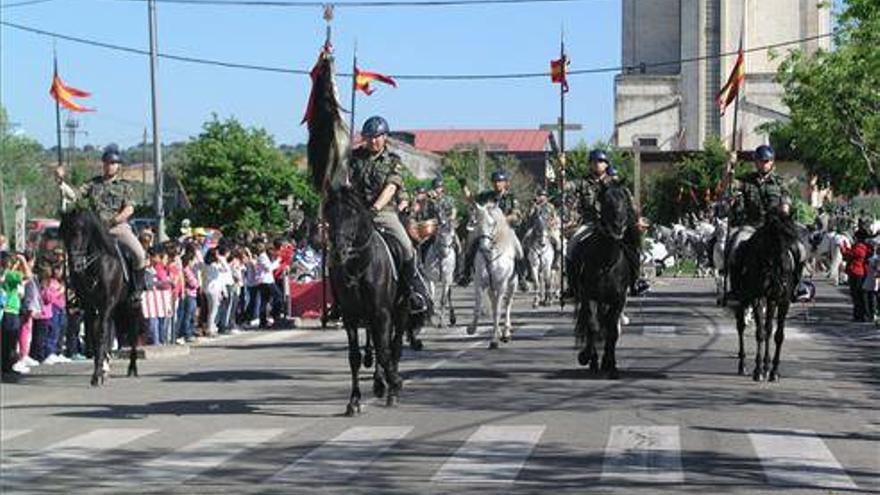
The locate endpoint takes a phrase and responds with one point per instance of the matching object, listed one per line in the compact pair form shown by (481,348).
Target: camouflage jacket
(546,211)
(370,174)
(505,201)
(426,211)
(107,198)
(443,208)
(757,195)
(586,194)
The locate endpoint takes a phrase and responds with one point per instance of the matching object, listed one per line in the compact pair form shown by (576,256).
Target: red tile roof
(513,140)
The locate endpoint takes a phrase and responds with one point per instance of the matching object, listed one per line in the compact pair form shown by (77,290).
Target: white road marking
(81,448)
(493,454)
(344,456)
(643,454)
(659,330)
(791,333)
(799,458)
(10,434)
(196,458)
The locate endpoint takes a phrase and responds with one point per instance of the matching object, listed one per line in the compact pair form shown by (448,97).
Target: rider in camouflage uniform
(111,198)
(376,174)
(759,192)
(544,208)
(501,195)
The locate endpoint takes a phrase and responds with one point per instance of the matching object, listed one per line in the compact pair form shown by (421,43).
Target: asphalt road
(260,412)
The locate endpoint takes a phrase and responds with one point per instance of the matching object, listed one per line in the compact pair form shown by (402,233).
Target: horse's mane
(92,226)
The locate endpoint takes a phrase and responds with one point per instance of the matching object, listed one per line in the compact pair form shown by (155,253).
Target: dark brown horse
(765,270)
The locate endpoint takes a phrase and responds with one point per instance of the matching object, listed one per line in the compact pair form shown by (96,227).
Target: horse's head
(615,211)
(350,221)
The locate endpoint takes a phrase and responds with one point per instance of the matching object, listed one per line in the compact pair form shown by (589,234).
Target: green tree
(22,170)
(235,178)
(834,100)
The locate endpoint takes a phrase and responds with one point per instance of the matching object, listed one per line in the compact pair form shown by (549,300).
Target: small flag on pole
(65,95)
(362,80)
(735,81)
(559,71)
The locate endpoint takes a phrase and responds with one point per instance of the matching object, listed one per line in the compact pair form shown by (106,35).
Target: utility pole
(637,174)
(144,169)
(157,152)
(2,208)
(481,165)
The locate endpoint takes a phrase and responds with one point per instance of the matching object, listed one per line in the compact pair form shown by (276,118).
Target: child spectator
(42,319)
(31,307)
(53,299)
(190,296)
(14,270)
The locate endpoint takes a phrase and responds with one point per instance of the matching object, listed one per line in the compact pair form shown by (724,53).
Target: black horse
(606,266)
(102,285)
(765,270)
(362,271)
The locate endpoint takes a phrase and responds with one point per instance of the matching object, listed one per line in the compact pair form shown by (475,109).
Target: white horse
(718,260)
(825,248)
(539,250)
(497,251)
(440,269)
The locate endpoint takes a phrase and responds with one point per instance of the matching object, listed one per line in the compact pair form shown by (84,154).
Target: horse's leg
(478,303)
(368,349)
(760,337)
(106,344)
(97,334)
(740,331)
(354,364)
(778,338)
(132,335)
(769,322)
(447,294)
(611,323)
(536,289)
(508,304)
(495,299)
(383,327)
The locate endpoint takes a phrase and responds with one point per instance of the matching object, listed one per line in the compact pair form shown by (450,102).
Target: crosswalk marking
(344,456)
(80,448)
(643,454)
(203,455)
(10,434)
(791,333)
(493,454)
(659,330)
(799,458)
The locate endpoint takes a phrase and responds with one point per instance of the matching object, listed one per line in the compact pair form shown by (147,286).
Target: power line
(22,4)
(412,77)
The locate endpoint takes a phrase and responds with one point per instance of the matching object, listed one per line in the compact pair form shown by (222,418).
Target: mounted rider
(375,173)
(503,198)
(442,208)
(587,192)
(112,198)
(543,208)
(760,192)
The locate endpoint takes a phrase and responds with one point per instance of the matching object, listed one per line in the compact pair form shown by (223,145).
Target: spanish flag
(65,94)
(558,72)
(362,80)
(737,78)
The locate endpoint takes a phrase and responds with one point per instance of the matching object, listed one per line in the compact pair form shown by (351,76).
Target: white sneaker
(180,341)
(30,362)
(51,359)
(254,323)
(21,368)
(61,358)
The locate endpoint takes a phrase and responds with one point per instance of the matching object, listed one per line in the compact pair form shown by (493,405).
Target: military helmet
(499,176)
(541,192)
(598,156)
(421,189)
(111,155)
(764,153)
(374,126)
(437,183)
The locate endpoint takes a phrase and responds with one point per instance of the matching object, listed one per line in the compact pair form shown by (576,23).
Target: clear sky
(420,40)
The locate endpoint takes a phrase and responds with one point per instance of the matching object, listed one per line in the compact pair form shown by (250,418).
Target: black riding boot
(419,296)
(138,285)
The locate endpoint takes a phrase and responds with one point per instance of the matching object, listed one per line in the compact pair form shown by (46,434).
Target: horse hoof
(756,376)
(583,358)
(505,339)
(94,381)
(741,371)
(379,389)
(471,330)
(368,360)
(774,376)
(416,344)
(352,410)
(392,401)
(613,374)
(594,367)
(452,320)
(493,345)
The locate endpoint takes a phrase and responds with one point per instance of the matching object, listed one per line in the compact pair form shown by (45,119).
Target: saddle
(394,250)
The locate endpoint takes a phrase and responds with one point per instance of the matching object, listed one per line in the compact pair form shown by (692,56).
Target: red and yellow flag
(65,95)
(737,78)
(362,80)
(559,72)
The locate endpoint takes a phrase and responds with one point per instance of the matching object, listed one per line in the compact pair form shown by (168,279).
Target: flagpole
(354,65)
(562,167)
(328,18)
(57,113)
